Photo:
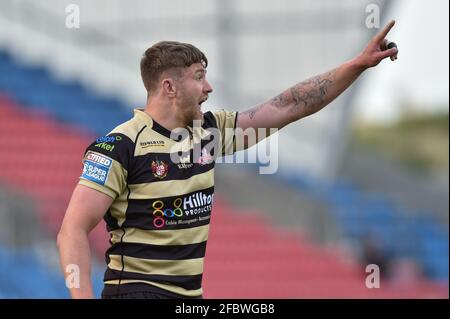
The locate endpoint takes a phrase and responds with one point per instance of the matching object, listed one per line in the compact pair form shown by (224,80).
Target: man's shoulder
(118,144)
(219,118)
(129,129)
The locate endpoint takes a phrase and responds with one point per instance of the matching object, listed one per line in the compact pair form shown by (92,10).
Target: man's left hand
(376,50)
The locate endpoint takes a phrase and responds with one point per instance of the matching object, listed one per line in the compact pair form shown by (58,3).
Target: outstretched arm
(310,96)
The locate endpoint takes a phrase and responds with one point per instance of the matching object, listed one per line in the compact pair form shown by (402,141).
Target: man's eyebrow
(200,70)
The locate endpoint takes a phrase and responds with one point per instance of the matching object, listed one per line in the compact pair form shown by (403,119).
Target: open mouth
(201,102)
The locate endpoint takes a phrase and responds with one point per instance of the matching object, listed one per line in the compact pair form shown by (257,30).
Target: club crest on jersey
(159,169)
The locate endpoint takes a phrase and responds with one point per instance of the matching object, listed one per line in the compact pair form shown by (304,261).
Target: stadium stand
(45,124)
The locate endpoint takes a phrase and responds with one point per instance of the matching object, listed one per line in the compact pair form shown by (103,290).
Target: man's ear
(168,85)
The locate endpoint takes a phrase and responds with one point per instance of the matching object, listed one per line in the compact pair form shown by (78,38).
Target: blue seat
(24,276)
(68,101)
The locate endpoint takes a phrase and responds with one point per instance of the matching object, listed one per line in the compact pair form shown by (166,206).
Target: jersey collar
(155,126)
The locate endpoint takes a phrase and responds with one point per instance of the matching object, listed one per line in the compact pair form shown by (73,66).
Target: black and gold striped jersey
(159,219)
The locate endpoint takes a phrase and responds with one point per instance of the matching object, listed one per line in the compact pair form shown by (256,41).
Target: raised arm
(310,96)
(86,208)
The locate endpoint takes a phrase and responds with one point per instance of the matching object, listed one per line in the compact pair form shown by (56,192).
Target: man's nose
(208,88)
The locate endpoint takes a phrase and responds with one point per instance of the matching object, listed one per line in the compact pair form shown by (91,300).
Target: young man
(157,209)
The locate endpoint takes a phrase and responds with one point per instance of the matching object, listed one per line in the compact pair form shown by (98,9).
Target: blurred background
(365,181)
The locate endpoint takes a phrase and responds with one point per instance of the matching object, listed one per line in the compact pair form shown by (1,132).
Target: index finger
(382,34)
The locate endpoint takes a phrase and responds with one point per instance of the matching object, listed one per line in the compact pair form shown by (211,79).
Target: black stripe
(234,135)
(169,252)
(234,138)
(209,120)
(121,260)
(141,212)
(139,287)
(187,282)
(111,222)
(149,222)
(142,169)
(161,129)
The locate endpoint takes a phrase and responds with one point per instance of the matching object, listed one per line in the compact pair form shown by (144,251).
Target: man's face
(193,91)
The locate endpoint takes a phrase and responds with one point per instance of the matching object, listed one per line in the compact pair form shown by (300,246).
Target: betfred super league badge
(159,169)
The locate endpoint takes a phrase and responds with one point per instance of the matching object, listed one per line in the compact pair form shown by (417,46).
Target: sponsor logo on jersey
(151,143)
(105,146)
(108,139)
(185,162)
(197,206)
(96,167)
(197,203)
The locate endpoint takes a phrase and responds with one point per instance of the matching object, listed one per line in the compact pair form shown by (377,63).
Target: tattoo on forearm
(251,112)
(308,95)
(281,100)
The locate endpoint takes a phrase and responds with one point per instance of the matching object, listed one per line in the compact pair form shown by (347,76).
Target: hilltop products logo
(193,205)
(159,169)
(151,143)
(197,203)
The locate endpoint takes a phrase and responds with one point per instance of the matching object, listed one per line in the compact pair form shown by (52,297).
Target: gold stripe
(183,267)
(130,129)
(143,117)
(169,146)
(174,289)
(172,188)
(162,237)
(224,120)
